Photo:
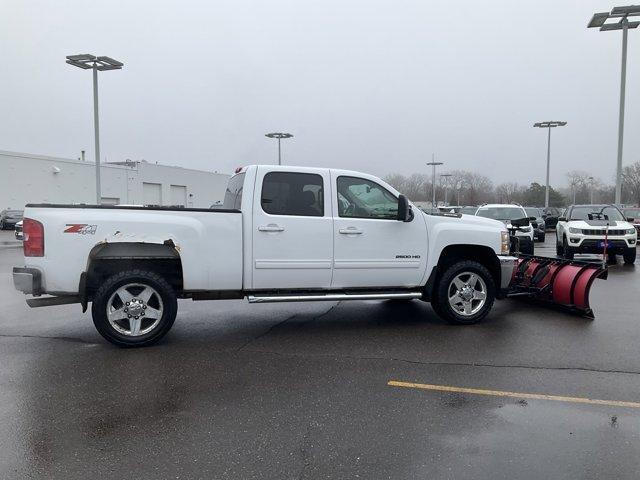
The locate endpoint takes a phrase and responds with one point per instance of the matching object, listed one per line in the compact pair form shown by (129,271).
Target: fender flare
(125,251)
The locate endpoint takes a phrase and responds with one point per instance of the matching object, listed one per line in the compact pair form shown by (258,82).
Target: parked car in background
(18,232)
(586,229)
(506,213)
(539,225)
(9,218)
(632,214)
(550,216)
(469,210)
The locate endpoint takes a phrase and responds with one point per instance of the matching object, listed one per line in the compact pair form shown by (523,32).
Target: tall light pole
(446,177)
(620,15)
(86,62)
(548,125)
(591,183)
(458,186)
(433,163)
(279,136)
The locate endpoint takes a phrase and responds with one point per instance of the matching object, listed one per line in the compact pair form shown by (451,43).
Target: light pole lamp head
(87,61)
(620,17)
(278,135)
(435,163)
(549,124)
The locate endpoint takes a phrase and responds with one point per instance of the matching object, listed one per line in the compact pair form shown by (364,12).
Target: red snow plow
(561,283)
(558,282)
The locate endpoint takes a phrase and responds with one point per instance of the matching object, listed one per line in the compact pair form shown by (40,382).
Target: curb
(11,244)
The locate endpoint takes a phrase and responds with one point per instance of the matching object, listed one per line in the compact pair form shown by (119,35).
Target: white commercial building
(26,178)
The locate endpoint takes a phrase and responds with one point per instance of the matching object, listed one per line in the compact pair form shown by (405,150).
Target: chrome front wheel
(467,293)
(464,292)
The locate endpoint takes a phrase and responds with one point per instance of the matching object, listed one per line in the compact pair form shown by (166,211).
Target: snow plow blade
(557,282)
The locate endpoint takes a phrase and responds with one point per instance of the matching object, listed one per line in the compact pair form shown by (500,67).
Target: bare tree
(578,181)
(509,192)
(631,182)
(478,188)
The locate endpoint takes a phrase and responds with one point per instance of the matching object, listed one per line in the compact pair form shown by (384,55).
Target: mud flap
(562,283)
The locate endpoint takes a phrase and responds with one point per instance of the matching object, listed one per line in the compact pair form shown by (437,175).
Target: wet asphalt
(240,391)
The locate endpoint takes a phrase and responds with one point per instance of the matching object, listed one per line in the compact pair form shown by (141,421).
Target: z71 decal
(80,228)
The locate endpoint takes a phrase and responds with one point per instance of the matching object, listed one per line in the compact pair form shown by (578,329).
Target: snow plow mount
(561,283)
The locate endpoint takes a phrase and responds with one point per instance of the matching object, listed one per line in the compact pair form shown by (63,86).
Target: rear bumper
(27,280)
(507,266)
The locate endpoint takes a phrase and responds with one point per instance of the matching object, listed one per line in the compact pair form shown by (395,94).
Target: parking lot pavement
(302,391)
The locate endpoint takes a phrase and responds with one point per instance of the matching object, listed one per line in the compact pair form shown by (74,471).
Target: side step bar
(51,301)
(333,297)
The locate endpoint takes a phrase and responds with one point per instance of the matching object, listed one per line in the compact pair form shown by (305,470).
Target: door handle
(351,231)
(272,227)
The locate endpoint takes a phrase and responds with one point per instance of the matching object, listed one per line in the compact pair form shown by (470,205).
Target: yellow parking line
(500,393)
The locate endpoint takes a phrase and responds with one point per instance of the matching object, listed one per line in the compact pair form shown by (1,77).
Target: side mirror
(630,219)
(533,218)
(562,219)
(404,210)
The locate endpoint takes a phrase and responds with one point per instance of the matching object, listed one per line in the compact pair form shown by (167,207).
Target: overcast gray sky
(368,85)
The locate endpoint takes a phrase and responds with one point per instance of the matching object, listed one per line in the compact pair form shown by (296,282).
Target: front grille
(601,232)
(595,244)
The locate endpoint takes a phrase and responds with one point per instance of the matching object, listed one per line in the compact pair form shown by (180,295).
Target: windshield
(632,213)
(553,211)
(502,213)
(469,210)
(533,211)
(582,213)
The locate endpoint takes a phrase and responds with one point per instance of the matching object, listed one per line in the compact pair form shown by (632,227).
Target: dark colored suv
(550,216)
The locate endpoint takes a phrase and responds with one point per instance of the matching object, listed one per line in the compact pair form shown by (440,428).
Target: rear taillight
(33,232)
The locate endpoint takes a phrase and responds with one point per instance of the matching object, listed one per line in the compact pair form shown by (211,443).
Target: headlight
(504,243)
(575,230)
(631,231)
(525,229)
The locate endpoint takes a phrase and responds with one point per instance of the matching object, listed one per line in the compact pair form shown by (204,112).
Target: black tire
(559,251)
(566,250)
(612,259)
(139,277)
(542,237)
(440,298)
(629,256)
(1,225)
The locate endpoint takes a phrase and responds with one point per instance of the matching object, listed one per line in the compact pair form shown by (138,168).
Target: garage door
(178,195)
(151,193)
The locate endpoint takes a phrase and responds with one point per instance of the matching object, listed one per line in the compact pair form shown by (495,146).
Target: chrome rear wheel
(135,309)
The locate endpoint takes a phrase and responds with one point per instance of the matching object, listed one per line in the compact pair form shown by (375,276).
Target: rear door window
(290,193)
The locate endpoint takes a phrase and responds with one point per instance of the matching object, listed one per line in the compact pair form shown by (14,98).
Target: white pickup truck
(283,234)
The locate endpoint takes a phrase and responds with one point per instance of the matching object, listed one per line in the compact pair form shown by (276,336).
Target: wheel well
(108,259)
(479,253)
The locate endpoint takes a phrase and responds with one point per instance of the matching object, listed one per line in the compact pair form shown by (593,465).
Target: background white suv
(506,213)
(581,229)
